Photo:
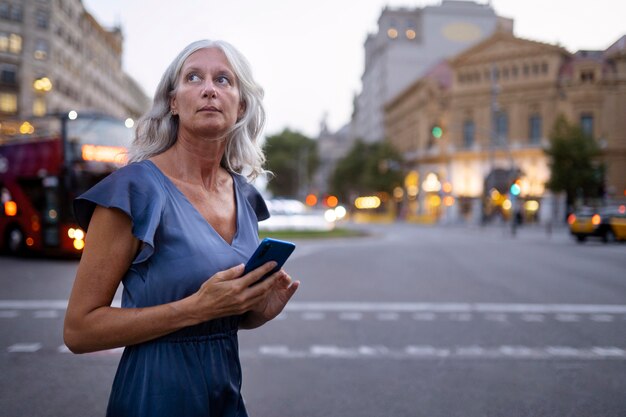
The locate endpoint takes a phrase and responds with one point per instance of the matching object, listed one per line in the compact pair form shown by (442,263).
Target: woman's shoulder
(142,175)
(252,196)
(135,189)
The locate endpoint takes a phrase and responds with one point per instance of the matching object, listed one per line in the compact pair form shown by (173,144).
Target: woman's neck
(194,162)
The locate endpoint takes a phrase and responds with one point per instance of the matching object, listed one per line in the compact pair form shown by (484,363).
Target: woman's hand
(228,293)
(274,301)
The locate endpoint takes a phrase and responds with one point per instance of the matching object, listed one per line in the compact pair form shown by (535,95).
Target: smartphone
(269,250)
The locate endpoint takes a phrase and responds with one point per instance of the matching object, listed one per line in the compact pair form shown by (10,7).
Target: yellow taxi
(607,223)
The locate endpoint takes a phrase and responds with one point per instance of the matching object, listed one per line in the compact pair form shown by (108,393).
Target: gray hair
(157,130)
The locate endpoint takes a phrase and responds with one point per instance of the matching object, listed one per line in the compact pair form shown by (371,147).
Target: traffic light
(515,188)
(437,132)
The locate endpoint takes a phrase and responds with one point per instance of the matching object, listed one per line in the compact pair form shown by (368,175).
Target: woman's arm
(91,323)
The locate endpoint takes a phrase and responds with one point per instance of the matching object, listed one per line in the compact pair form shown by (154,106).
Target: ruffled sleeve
(136,191)
(254,198)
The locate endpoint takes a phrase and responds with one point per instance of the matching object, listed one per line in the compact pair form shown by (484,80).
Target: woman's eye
(193,77)
(222,79)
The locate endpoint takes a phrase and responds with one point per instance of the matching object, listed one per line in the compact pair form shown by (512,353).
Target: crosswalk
(611,316)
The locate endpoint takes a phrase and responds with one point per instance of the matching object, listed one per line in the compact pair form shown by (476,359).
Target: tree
(367,169)
(574,165)
(292,157)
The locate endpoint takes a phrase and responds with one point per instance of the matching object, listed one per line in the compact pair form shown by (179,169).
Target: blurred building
(482,119)
(408,42)
(55,57)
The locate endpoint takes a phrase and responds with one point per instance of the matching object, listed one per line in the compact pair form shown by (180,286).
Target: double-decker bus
(44,164)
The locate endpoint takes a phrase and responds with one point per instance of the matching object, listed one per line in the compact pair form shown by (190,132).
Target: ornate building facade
(496,104)
(55,57)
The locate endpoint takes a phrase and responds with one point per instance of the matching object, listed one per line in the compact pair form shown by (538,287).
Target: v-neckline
(197,212)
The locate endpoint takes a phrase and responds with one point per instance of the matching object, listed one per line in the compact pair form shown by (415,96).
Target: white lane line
(563,351)
(63,349)
(313,316)
(609,351)
(427,351)
(397,307)
(602,318)
(9,314)
(387,316)
(46,314)
(497,317)
(461,317)
(533,318)
(568,318)
(408,352)
(350,316)
(459,307)
(24,348)
(274,350)
(424,316)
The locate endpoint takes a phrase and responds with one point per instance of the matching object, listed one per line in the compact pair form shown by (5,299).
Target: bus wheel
(15,241)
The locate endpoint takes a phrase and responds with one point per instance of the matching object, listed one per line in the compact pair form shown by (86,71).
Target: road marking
(313,316)
(568,317)
(533,318)
(350,316)
(424,316)
(24,348)
(497,317)
(63,349)
(439,353)
(602,318)
(461,317)
(46,314)
(609,351)
(407,352)
(397,307)
(458,307)
(388,316)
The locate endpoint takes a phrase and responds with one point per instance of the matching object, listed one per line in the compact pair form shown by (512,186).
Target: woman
(175,226)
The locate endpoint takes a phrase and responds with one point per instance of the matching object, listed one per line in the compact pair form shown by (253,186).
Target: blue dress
(194,371)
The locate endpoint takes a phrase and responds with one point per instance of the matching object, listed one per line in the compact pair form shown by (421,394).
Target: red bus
(44,164)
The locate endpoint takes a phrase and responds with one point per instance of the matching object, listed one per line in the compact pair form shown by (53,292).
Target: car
(606,223)
(289,214)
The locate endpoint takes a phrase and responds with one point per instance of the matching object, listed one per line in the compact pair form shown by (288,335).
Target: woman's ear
(173,109)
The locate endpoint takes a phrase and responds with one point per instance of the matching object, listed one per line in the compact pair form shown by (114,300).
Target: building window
(42,18)
(586,123)
(16,12)
(39,106)
(502,129)
(41,50)
(469,132)
(10,43)
(587,76)
(8,74)
(8,103)
(11,11)
(534,129)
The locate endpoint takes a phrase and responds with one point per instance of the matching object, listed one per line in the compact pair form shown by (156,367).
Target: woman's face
(207,98)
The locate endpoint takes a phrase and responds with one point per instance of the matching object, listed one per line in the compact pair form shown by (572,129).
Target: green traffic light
(515,189)
(437,132)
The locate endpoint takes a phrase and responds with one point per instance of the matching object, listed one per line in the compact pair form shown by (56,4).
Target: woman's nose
(209,90)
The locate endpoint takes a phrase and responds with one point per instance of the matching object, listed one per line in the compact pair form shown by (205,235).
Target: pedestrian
(175,226)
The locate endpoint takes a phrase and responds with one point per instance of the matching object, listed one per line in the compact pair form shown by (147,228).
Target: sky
(308,55)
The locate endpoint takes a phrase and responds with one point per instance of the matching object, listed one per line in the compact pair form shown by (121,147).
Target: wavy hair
(157,130)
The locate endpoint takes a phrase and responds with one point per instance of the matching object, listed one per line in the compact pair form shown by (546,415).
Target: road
(409,321)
